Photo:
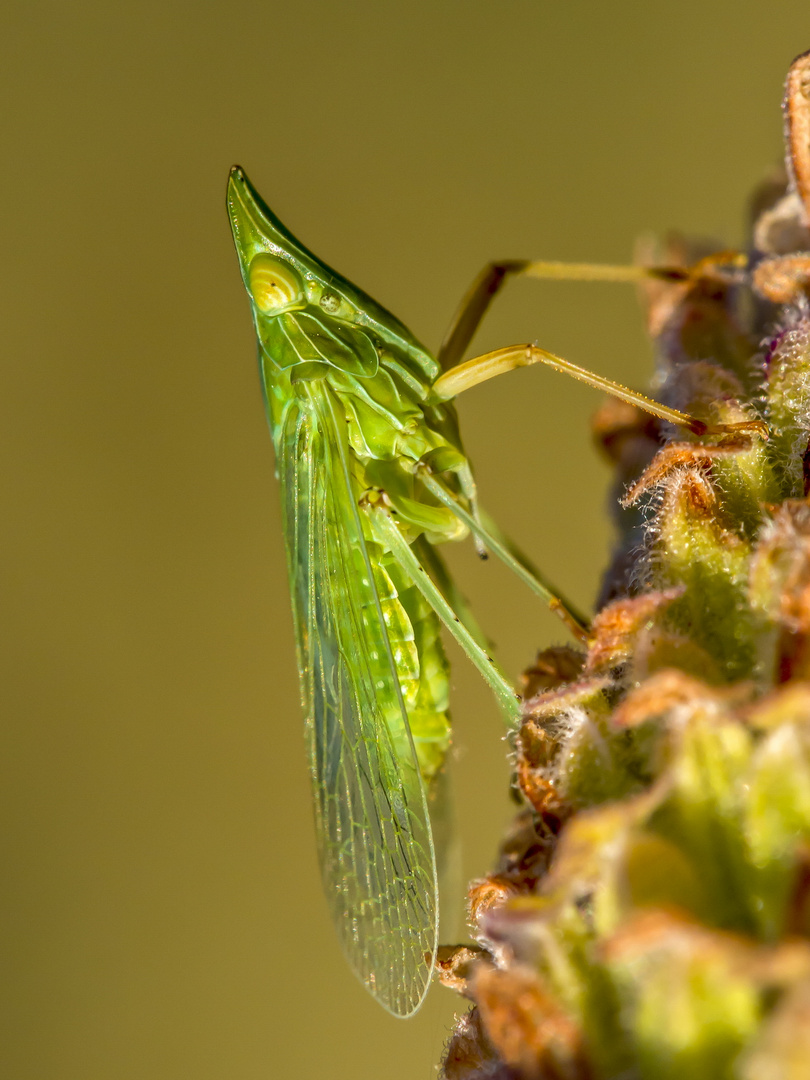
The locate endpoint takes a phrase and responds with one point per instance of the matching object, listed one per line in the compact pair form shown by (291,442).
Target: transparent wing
(372,822)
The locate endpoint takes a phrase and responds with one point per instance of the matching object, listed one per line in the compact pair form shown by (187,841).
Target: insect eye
(273,284)
(330,302)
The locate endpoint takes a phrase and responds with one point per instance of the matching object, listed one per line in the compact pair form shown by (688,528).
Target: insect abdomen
(414,631)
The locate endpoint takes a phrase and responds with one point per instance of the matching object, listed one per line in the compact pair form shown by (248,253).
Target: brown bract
(616,628)
(545,727)
(682,456)
(552,668)
(670,688)
(797,121)
(489,893)
(470,1055)
(526,1026)
(454,964)
(783,279)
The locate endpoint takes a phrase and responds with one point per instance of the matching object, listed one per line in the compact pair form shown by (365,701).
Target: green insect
(373,475)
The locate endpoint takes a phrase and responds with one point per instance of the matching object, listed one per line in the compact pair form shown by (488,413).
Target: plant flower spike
(649,915)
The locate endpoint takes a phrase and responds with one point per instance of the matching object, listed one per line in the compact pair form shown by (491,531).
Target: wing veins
(374,840)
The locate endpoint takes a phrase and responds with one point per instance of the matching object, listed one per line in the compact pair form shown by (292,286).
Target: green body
(348,394)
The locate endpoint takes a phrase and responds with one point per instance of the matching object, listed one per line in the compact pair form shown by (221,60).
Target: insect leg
(487,285)
(480,368)
(494,540)
(390,535)
(435,565)
(473,307)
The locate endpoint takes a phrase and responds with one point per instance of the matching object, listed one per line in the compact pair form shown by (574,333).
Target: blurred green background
(162,914)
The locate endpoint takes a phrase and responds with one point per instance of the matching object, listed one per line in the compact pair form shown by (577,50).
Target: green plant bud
(776,822)
(687,999)
(695,550)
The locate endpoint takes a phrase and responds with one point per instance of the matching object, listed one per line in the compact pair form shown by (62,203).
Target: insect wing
(374,837)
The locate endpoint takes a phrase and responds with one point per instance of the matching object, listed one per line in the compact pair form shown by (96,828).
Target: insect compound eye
(330,302)
(273,283)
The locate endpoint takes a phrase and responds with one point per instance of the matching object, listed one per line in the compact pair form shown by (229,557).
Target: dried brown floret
(525,1024)
(683,455)
(470,1055)
(616,628)
(670,688)
(783,279)
(553,667)
(797,115)
(548,704)
(487,894)
(454,964)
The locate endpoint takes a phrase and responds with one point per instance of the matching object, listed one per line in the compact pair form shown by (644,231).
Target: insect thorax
(380,396)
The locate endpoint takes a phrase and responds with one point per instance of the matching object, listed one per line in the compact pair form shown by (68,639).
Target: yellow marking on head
(273,283)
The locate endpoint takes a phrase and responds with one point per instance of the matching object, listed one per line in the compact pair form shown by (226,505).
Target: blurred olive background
(162,914)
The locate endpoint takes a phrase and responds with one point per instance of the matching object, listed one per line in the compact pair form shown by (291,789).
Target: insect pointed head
(278,271)
(281,274)
(273,263)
